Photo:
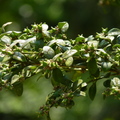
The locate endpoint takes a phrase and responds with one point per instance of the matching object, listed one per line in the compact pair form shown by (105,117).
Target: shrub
(72,65)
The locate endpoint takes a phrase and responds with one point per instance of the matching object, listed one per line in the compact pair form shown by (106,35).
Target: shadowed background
(84,16)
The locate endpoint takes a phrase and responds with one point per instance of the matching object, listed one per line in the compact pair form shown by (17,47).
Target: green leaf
(6,58)
(75,85)
(48,52)
(103,43)
(57,75)
(14,34)
(38,44)
(7,77)
(63,26)
(4,25)
(118,39)
(93,43)
(69,53)
(102,51)
(92,91)
(59,78)
(90,38)
(54,83)
(52,42)
(24,43)
(18,89)
(70,104)
(2,45)
(66,81)
(60,42)
(57,56)
(64,48)
(92,67)
(46,34)
(107,83)
(67,42)
(107,75)
(6,40)
(110,38)
(116,46)
(15,79)
(69,61)
(114,31)
(19,56)
(80,38)
(57,41)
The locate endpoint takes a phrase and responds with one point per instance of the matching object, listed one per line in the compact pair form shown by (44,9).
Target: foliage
(72,65)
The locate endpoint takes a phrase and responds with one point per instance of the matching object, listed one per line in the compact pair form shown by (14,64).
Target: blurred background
(84,17)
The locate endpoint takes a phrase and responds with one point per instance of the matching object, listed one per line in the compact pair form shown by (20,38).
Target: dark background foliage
(85,17)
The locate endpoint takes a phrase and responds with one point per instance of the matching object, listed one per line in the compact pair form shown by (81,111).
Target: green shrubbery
(72,65)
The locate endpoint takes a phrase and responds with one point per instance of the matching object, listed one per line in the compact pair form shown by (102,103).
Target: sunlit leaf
(6,58)
(114,31)
(69,61)
(69,53)
(60,42)
(24,43)
(82,93)
(93,43)
(57,41)
(50,43)
(110,38)
(63,26)
(48,52)
(44,27)
(89,38)
(102,51)
(46,34)
(15,79)
(6,24)
(57,56)
(6,39)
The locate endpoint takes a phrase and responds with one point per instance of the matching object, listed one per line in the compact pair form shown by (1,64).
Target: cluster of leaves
(72,66)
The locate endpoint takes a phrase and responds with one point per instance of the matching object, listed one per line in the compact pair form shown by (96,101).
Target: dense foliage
(72,65)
